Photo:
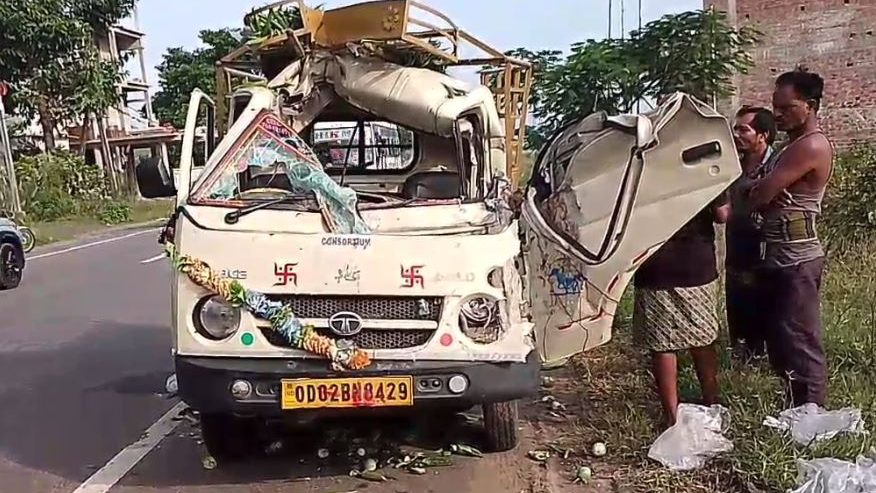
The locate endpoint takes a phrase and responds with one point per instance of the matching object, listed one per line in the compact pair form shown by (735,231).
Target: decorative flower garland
(278,314)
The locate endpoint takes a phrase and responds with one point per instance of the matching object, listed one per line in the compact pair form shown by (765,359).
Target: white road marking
(92,244)
(153,259)
(114,470)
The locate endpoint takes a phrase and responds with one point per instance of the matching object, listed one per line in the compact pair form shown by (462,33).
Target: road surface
(84,354)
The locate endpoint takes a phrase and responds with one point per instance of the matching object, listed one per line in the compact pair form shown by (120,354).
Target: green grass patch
(116,214)
(621,408)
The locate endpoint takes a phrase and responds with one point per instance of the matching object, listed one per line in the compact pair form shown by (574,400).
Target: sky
(504,24)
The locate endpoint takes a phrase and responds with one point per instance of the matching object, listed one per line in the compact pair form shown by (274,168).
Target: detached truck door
(606,193)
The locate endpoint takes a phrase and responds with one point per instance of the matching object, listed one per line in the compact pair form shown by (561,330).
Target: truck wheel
(228,438)
(500,422)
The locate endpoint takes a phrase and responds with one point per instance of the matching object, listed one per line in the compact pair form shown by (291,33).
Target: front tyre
(28,239)
(500,423)
(228,438)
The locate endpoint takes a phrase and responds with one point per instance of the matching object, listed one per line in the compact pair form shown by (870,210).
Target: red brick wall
(834,38)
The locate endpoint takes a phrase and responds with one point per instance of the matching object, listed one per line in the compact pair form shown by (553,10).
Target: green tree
(695,52)
(49,54)
(182,71)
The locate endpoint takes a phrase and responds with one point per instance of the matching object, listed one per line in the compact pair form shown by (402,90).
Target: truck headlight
(216,319)
(479,320)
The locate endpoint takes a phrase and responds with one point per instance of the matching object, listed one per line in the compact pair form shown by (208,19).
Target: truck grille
(370,339)
(367,307)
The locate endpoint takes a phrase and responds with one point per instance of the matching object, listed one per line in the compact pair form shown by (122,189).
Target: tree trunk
(85,134)
(47,121)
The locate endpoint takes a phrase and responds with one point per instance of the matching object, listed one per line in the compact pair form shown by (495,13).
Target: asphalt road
(84,355)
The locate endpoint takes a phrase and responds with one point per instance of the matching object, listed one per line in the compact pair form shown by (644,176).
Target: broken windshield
(268,161)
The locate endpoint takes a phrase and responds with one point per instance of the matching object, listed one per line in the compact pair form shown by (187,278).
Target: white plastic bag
(810,423)
(170,385)
(837,476)
(696,437)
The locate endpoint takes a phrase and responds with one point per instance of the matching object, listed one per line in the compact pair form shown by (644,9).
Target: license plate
(347,392)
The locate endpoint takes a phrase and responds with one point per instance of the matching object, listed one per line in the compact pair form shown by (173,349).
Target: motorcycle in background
(28,238)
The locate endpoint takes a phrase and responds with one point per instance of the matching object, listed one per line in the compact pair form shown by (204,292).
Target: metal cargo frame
(391,26)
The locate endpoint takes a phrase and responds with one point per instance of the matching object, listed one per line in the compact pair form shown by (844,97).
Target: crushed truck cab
(353,241)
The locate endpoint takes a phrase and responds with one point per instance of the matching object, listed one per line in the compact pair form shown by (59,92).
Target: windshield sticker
(285,274)
(411,277)
(351,241)
(270,156)
(348,274)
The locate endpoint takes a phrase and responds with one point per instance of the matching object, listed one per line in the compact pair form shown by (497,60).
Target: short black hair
(809,85)
(763,122)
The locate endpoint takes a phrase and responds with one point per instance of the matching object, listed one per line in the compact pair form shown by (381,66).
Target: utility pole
(7,153)
(622,14)
(610,2)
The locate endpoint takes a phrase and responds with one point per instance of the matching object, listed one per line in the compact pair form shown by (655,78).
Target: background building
(832,37)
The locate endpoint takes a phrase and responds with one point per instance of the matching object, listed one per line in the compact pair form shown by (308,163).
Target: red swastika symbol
(412,277)
(285,275)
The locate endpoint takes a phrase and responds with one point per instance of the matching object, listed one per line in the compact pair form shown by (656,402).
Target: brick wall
(832,37)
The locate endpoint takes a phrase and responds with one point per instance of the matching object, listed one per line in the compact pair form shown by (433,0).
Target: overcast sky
(539,24)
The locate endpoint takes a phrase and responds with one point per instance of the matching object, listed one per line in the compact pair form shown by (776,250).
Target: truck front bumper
(205,383)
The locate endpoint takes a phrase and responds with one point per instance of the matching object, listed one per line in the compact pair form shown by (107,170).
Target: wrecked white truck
(352,242)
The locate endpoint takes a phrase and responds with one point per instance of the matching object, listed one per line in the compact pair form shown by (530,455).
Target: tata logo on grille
(345,324)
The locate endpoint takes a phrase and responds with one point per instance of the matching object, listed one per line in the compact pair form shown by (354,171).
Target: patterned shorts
(666,320)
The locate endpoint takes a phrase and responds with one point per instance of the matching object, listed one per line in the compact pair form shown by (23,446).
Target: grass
(620,408)
(68,229)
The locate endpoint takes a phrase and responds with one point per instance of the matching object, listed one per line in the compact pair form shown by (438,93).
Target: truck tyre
(500,423)
(228,438)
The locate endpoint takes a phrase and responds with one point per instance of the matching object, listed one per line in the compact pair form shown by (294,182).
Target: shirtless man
(788,198)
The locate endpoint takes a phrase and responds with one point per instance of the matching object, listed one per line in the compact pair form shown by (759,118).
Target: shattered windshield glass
(269,161)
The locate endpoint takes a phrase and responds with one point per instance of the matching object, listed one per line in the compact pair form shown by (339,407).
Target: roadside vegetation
(612,390)
(63,197)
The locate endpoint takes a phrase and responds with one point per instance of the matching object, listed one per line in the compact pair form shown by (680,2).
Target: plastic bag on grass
(810,423)
(837,476)
(696,437)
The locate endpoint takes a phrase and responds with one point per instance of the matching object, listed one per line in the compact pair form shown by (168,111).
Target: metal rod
(622,14)
(610,2)
(10,164)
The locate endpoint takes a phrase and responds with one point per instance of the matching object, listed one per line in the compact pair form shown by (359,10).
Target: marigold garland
(280,315)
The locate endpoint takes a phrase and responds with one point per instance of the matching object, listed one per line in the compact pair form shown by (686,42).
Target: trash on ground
(417,470)
(564,452)
(539,455)
(170,385)
(811,423)
(547,381)
(361,452)
(836,476)
(209,463)
(557,406)
(369,465)
(472,418)
(583,475)
(323,453)
(695,438)
(187,414)
(599,449)
(548,398)
(375,476)
(462,449)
